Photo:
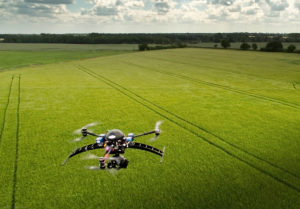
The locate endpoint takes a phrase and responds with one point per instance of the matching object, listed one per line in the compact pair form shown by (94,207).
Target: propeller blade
(78,131)
(90,157)
(157,131)
(93,157)
(154,138)
(92,167)
(162,157)
(91,124)
(78,139)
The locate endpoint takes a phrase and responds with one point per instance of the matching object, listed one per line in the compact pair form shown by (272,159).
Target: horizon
(85,33)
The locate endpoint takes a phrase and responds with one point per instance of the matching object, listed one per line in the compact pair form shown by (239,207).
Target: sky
(149,16)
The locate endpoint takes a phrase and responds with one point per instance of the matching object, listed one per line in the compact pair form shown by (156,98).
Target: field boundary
(289,104)
(6,107)
(13,201)
(230,153)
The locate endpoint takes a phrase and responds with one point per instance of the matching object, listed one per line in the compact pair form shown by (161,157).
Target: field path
(5,108)
(279,174)
(9,147)
(13,201)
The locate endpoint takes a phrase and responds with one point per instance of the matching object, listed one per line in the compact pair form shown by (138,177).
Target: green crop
(231,130)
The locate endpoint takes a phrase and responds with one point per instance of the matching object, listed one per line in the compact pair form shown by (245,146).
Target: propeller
(92,157)
(92,167)
(157,131)
(78,139)
(162,157)
(83,130)
(78,131)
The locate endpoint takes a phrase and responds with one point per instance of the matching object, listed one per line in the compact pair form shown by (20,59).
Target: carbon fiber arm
(145,147)
(84,149)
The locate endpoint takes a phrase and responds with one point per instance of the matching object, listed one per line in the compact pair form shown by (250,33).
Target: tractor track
(13,201)
(289,104)
(119,89)
(5,109)
(295,86)
(205,130)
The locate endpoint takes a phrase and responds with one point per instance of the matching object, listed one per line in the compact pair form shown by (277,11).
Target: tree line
(144,38)
(272,46)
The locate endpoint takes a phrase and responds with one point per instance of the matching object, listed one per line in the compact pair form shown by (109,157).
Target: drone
(114,142)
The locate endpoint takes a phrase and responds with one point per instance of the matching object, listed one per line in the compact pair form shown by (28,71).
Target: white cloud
(213,14)
(50,1)
(297,4)
(277,5)
(163,6)
(221,2)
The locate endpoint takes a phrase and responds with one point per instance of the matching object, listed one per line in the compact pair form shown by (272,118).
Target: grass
(231,130)
(65,47)
(21,55)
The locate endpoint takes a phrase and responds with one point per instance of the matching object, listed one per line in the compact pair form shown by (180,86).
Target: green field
(231,129)
(68,47)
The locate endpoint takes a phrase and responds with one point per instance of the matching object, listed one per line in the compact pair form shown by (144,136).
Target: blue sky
(149,16)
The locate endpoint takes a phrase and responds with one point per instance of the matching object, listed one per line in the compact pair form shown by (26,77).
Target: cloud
(221,2)
(250,12)
(105,11)
(162,6)
(40,10)
(136,4)
(211,13)
(277,5)
(50,1)
(235,8)
(297,4)
(15,8)
(103,8)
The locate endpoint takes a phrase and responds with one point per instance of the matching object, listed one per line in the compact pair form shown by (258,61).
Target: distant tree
(273,46)
(291,48)
(217,37)
(245,46)
(179,44)
(216,45)
(254,46)
(143,47)
(225,43)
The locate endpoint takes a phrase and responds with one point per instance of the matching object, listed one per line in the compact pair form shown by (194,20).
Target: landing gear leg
(124,163)
(102,163)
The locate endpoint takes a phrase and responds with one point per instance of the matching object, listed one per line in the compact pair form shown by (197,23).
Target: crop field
(21,55)
(231,129)
(65,47)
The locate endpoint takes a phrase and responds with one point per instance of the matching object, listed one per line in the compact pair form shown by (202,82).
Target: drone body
(115,143)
